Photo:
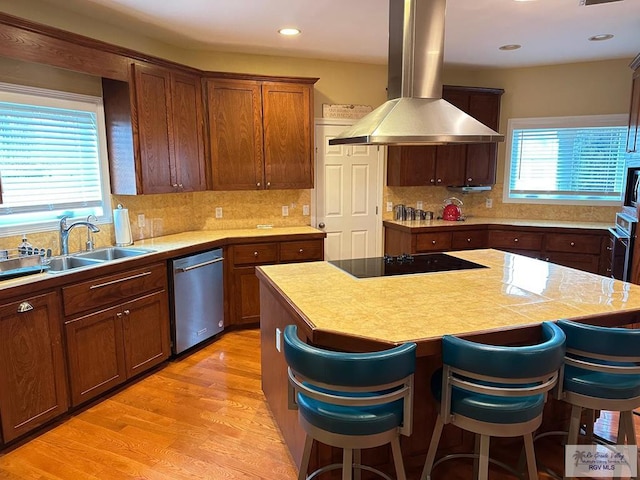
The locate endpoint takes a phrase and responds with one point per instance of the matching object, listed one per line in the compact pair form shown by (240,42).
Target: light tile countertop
(515,222)
(167,246)
(515,291)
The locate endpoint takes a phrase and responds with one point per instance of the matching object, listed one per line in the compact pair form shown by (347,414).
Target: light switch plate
(389,206)
(218,212)
(285,211)
(305,210)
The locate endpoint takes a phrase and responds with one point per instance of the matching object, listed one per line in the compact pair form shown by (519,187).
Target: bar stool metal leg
(433,449)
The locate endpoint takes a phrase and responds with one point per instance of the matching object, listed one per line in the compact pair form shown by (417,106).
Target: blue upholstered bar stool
(602,372)
(495,391)
(351,401)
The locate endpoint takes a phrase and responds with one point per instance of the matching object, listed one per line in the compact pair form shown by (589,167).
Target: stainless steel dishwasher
(197,300)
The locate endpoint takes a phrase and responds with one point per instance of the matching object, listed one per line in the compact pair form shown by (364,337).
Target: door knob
(321,225)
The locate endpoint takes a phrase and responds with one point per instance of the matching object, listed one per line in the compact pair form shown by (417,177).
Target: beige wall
(585,88)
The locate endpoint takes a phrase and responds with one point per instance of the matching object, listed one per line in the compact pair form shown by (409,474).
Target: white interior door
(348,195)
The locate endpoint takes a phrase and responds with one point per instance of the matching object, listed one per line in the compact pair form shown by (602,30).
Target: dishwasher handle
(199,265)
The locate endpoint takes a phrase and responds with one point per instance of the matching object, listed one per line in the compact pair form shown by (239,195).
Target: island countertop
(514,292)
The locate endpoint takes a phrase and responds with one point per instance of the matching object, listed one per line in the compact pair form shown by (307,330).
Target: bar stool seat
(494,391)
(351,401)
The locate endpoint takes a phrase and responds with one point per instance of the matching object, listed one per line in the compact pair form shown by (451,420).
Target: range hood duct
(415,113)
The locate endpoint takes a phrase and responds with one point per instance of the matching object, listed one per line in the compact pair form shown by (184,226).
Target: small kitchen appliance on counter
(451,210)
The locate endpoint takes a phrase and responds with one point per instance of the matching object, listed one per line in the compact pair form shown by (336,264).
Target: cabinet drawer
(110,289)
(433,242)
(301,251)
(468,240)
(515,240)
(255,253)
(580,261)
(574,243)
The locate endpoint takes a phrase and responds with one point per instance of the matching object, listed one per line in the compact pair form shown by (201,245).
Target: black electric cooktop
(403,265)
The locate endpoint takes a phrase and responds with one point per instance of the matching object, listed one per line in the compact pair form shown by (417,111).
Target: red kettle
(451,210)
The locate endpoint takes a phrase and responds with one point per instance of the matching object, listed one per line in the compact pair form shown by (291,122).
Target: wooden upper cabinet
(155,132)
(633,140)
(473,164)
(260,134)
(153,113)
(235,134)
(288,135)
(188,132)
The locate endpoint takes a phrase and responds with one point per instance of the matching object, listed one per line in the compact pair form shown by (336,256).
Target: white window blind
(566,160)
(51,156)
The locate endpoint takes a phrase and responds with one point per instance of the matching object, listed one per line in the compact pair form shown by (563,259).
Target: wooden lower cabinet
(586,250)
(244,295)
(125,333)
(95,354)
(108,347)
(33,387)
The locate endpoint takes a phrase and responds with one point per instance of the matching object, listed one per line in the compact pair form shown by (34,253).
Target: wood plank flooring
(203,417)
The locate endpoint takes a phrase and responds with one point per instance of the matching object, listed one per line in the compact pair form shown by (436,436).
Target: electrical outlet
(141,220)
(285,211)
(488,203)
(419,205)
(305,210)
(389,206)
(218,212)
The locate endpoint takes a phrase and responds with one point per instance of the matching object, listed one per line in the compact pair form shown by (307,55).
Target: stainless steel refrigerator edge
(197,300)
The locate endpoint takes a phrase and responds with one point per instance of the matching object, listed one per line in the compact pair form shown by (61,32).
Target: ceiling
(550,31)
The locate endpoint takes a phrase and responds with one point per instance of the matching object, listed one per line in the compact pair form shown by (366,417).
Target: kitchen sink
(113,253)
(93,258)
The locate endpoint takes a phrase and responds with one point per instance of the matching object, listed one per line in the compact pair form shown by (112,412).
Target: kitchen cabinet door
(95,353)
(246,302)
(288,135)
(235,134)
(145,332)
(188,133)
(411,166)
(480,166)
(33,386)
(152,127)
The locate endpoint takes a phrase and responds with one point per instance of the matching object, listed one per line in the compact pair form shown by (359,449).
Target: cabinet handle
(573,244)
(180,186)
(468,240)
(255,254)
(119,314)
(469,179)
(175,185)
(433,242)
(301,251)
(258,184)
(126,312)
(268,184)
(609,248)
(112,282)
(515,239)
(439,180)
(24,307)
(433,180)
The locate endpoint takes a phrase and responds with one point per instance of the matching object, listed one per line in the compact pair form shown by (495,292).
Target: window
(52,158)
(566,160)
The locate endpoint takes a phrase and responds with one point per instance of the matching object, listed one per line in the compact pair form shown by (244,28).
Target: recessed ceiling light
(601,37)
(511,46)
(289,32)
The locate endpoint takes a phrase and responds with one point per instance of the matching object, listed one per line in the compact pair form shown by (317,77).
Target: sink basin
(93,258)
(60,264)
(113,253)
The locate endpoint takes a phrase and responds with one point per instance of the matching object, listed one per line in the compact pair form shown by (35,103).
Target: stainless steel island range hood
(416,114)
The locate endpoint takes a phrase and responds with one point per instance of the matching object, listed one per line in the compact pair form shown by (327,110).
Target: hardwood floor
(203,417)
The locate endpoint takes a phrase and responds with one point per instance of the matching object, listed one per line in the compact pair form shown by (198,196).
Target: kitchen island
(502,304)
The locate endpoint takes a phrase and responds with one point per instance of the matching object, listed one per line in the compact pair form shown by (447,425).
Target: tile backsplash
(180,212)
(474,204)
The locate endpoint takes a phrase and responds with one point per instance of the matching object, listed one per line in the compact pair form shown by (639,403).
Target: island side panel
(273,319)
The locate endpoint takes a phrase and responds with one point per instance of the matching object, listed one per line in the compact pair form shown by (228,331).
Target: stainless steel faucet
(65,229)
